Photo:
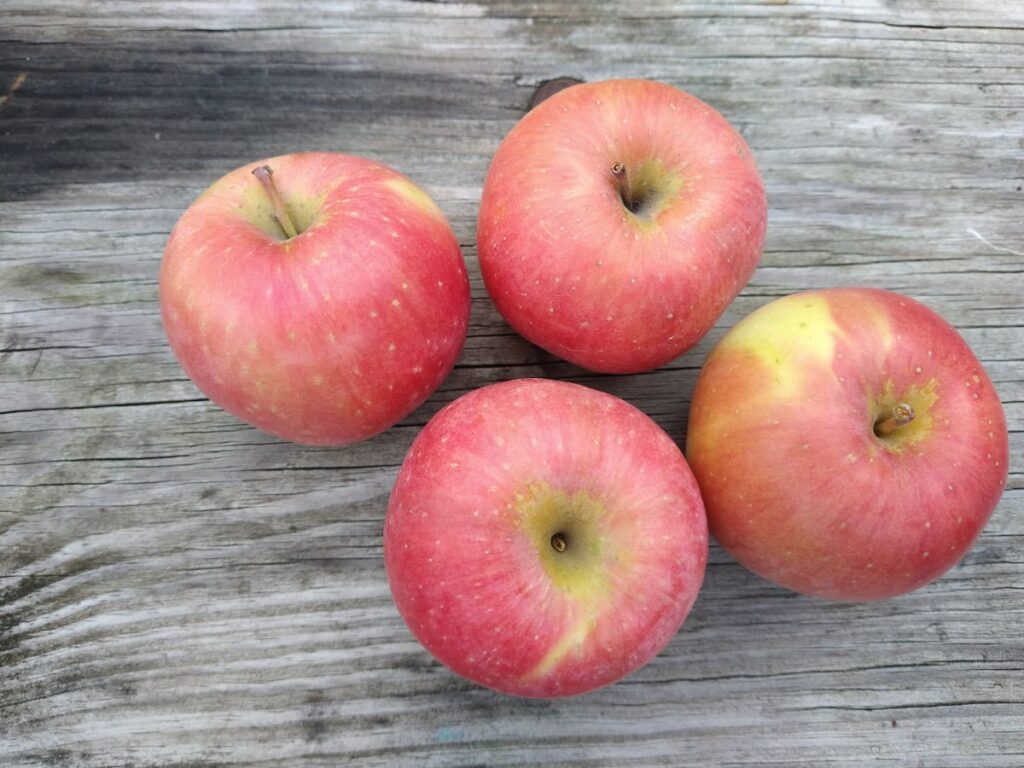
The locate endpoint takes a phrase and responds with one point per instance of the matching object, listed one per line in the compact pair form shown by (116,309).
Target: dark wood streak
(222,105)
(179,590)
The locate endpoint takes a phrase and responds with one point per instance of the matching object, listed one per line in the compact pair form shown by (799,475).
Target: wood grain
(177,589)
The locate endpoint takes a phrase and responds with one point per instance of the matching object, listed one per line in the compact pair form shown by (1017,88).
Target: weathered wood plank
(177,589)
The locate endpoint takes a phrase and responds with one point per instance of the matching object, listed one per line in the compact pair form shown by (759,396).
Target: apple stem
(622,182)
(266,178)
(558,542)
(899,415)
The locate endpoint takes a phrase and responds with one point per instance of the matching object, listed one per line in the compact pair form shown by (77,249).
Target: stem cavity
(897,416)
(265,176)
(622,184)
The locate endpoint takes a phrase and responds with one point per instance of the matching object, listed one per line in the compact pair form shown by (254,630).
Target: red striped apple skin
(329,337)
(573,270)
(798,486)
(468,541)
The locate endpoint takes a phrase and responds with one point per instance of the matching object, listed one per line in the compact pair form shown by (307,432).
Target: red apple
(847,442)
(321,303)
(544,539)
(618,221)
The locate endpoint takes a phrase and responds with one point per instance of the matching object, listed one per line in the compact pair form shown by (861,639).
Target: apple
(618,221)
(847,443)
(318,296)
(544,539)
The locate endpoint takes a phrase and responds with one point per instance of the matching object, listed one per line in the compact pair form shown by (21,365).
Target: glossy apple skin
(797,485)
(573,271)
(332,336)
(461,538)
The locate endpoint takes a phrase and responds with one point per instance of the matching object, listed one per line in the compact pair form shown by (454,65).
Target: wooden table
(178,589)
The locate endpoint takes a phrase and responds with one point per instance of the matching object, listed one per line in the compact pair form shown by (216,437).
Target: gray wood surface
(177,589)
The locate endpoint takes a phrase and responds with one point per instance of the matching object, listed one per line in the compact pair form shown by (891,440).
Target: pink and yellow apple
(618,221)
(847,443)
(317,296)
(544,539)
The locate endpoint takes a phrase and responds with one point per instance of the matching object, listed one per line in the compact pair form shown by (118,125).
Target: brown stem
(558,542)
(266,178)
(622,181)
(899,415)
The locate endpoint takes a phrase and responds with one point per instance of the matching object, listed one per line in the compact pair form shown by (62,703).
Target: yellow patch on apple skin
(783,334)
(579,570)
(545,511)
(571,641)
(921,399)
(409,191)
